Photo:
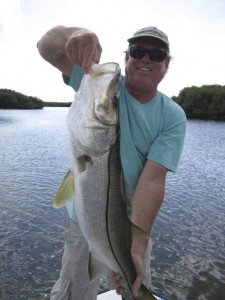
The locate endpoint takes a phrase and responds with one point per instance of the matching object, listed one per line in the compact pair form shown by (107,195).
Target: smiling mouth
(146,70)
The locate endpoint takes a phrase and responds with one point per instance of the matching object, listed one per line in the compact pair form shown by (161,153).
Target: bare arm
(64,46)
(149,195)
(148,199)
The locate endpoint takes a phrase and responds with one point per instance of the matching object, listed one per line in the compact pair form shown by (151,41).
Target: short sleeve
(75,79)
(166,149)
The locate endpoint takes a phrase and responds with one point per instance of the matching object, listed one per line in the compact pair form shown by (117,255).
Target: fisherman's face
(143,75)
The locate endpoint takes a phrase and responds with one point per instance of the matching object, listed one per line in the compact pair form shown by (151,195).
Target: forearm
(64,46)
(52,44)
(147,202)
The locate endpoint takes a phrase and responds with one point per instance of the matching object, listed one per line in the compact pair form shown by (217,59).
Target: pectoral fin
(66,191)
(82,162)
(95,267)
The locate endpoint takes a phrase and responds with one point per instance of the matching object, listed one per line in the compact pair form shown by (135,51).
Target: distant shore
(10,99)
(204,103)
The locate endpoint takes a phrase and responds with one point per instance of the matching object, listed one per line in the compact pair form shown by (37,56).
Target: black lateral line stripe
(107,206)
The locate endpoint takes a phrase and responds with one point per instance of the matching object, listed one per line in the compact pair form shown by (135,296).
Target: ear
(126,56)
(167,61)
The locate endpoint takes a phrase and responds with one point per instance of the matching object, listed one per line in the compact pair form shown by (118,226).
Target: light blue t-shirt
(151,131)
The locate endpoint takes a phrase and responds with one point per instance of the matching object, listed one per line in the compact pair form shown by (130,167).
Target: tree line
(10,99)
(206,102)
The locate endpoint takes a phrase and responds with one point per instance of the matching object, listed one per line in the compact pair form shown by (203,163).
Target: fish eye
(115,99)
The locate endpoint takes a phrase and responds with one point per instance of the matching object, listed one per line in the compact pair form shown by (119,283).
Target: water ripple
(188,258)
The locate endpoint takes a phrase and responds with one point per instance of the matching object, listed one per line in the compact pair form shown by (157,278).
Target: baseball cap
(150,32)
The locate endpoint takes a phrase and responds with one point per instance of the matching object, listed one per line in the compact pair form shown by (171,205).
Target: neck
(142,96)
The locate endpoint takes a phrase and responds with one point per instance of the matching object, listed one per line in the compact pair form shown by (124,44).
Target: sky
(196,31)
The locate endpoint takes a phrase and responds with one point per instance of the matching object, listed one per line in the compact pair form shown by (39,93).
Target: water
(188,258)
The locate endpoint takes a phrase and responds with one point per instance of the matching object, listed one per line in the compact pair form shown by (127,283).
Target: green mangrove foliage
(206,102)
(10,99)
(57,104)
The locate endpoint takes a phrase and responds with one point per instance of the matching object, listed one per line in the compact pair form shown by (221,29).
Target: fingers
(120,290)
(136,285)
(84,50)
(138,260)
(118,281)
(91,55)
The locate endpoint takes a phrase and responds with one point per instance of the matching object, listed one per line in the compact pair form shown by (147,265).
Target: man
(152,129)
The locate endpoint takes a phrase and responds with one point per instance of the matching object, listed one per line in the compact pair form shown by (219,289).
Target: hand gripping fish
(96,177)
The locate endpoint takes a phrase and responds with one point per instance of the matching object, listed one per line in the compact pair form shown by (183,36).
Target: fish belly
(101,207)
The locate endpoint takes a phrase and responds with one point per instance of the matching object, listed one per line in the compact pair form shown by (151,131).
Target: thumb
(136,285)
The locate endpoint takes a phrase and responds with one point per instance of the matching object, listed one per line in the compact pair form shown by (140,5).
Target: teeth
(145,69)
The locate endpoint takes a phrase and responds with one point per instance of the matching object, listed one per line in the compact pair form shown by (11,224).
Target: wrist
(140,233)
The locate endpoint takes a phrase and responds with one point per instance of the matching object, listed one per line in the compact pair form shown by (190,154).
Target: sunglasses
(156,55)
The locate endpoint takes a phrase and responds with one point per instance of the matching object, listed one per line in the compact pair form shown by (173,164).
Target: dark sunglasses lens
(155,55)
(137,52)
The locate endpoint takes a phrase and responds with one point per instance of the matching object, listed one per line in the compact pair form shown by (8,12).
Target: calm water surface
(188,258)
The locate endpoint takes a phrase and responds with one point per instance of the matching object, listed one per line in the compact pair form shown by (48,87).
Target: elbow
(50,45)
(41,46)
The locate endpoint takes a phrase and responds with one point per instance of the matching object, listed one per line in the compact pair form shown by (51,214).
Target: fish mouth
(105,121)
(98,125)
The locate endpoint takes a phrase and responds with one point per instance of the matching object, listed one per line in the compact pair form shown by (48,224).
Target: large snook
(101,196)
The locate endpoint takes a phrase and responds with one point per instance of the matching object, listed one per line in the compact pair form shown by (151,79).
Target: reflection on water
(189,234)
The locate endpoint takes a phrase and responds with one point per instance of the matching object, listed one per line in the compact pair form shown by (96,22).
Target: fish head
(101,122)
(106,97)
(92,119)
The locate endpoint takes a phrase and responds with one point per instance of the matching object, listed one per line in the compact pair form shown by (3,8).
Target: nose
(146,58)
